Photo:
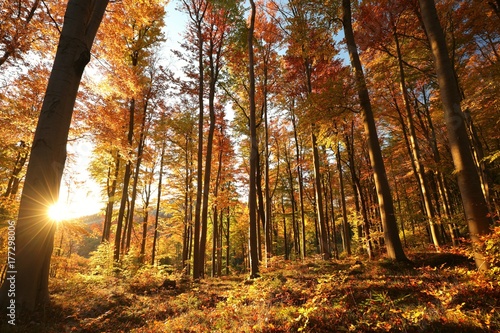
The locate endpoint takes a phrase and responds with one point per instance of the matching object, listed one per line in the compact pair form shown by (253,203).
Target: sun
(58,212)
(68,210)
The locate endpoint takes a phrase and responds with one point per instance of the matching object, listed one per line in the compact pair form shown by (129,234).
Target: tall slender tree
(254,150)
(196,10)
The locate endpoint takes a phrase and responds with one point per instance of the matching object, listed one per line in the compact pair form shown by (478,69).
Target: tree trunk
(346,228)
(34,231)
(285,234)
(292,201)
(198,258)
(325,250)
(111,189)
(145,217)
(126,181)
(301,185)
(254,153)
(158,201)
(268,205)
(386,206)
(188,208)
(333,236)
(475,206)
(228,238)
(260,206)
(216,231)
(140,148)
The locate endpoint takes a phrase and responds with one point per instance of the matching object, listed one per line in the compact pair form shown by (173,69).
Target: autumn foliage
(311,143)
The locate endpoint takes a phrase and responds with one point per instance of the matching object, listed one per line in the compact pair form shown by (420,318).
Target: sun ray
(58,212)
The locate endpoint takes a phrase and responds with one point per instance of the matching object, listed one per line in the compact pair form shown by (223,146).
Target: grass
(302,296)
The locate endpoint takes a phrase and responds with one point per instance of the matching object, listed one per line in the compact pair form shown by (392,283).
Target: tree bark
(34,230)
(475,206)
(254,152)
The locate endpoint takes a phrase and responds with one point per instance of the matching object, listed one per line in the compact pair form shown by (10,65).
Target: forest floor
(438,293)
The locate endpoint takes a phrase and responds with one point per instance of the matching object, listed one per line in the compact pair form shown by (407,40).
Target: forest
(250,166)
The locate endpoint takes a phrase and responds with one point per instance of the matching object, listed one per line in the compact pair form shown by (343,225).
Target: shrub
(492,252)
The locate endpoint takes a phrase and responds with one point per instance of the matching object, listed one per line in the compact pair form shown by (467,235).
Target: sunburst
(58,212)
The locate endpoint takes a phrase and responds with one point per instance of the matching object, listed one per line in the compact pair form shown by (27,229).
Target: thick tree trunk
(198,259)
(475,206)
(34,230)
(386,206)
(254,153)
(206,192)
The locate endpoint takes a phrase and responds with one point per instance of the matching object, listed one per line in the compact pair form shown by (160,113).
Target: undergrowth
(303,296)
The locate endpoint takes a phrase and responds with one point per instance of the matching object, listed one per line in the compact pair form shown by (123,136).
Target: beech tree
(254,150)
(34,229)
